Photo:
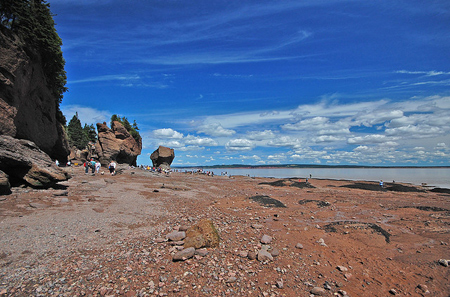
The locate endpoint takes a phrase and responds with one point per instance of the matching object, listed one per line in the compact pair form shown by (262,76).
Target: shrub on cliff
(132,129)
(32,21)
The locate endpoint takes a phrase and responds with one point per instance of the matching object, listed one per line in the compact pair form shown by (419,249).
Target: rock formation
(22,161)
(116,144)
(162,157)
(27,107)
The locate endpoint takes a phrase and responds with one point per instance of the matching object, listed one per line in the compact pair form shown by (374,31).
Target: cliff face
(116,144)
(27,107)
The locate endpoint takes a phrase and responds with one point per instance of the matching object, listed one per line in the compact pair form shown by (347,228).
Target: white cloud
(374,117)
(167,133)
(367,139)
(199,141)
(260,135)
(87,115)
(215,129)
(239,145)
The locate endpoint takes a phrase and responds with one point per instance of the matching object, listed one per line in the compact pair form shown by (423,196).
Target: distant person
(97,166)
(381,184)
(57,163)
(92,163)
(112,168)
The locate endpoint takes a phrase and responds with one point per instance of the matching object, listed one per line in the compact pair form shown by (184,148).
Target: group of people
(96,165)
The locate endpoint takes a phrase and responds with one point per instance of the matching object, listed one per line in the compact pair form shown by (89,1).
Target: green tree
(76,134)
(32,21)
(132,129)
(89,132)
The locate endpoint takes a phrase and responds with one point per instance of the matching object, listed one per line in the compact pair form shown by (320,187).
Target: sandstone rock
(185,254)
(24,162)
(342,268)
(252,255)
(116,144)
(264,255)
(162,157)
(176,235)
(443,262)
(299,246)
(5,187)
(27,106)
(203,234)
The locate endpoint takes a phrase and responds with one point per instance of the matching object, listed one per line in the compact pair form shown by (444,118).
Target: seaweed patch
(359,225)
(267,201)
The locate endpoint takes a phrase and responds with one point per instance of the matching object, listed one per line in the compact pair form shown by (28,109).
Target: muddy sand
(102,236)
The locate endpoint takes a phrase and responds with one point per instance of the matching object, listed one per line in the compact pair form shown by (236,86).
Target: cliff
(27,106)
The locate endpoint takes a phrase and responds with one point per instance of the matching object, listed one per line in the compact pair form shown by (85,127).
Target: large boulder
(116,144)
(162,157)
(27,107)
(5,187)
(24,163)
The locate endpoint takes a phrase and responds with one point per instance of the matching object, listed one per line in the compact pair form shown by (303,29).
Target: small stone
(231,279)
(243,254)
(160,240)
(264,255)
(393,292)
(299,246)
(257,226)
(275,252)
(318,291)
(184,254)
(252,255)
(443,262)
(266,239)
(342,268)
(202,252)
(280,284)
(176,235)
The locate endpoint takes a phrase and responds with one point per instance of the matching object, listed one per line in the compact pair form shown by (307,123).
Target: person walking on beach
(381,184)
(112,167)
(97,166)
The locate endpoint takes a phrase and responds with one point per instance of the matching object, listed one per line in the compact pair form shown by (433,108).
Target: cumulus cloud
(371,118)
(200,141)
(260,135)
(374,138)
(239,145)
(87,115)
(215,129)
(167,133)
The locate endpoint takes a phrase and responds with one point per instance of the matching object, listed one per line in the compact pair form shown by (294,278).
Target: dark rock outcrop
(5,187)
(162,157)
(23,162)
(27,107)
(116,144)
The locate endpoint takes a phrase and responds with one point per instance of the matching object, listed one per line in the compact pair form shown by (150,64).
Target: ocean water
(433,177)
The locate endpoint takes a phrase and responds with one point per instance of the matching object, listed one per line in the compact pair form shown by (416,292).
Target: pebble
(342,268)
(299,246)
(202,252)
(252,255)
(444,262)
(257,226)
(266,239)
(275,252)
(176,235)
(264,255)
(184,254)
(318,291)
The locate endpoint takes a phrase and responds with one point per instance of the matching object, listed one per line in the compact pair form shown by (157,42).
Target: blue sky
(329,82)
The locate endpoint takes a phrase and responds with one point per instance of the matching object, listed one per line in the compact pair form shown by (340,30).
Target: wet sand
(100,236)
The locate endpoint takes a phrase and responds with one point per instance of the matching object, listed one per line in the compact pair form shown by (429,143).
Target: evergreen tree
(76,134)
(89,132)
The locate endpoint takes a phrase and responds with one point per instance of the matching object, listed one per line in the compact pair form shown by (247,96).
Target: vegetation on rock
(132,129)
(32,21)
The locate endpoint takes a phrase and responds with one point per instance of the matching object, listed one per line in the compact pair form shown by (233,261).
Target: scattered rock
(266,239)
(176,235)
(443,262)
(252,255)
(184,254)
(318,291)
(342,268)
(264,255)
(299,246)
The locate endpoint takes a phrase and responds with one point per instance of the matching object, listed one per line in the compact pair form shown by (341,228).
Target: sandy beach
(103,235)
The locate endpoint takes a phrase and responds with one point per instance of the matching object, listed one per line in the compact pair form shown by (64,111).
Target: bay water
(432,177)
